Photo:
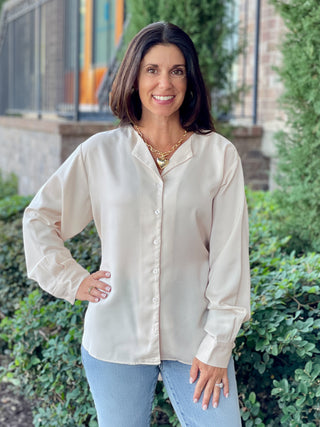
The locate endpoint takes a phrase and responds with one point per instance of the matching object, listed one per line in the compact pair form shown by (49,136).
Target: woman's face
(162,81)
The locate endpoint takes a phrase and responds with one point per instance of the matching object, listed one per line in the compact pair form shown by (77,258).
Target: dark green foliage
(45,338)
(299,144)
(210,24)
(1,4)
(162,407)
(8,183)
(11,206)
(14,284)
(278,351)
(277,354)
(44,334)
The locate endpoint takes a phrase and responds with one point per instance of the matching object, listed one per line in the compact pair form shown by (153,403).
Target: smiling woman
(162,84)
(167,196)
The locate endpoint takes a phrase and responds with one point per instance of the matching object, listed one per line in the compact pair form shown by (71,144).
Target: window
(103,31)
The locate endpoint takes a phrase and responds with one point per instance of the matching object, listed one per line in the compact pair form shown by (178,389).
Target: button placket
(156,269)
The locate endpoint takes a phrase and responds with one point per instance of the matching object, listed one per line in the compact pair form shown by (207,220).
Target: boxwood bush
(277,353)
(8,182)
(278,350)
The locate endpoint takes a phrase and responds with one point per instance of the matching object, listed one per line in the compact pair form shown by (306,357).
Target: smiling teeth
(162,98)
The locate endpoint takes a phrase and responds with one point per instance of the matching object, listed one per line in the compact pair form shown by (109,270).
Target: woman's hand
(209,378)
(93,289)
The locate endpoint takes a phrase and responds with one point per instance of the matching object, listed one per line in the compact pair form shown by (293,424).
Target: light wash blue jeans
(123,394)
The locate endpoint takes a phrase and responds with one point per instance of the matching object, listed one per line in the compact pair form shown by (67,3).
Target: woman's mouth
(163,97)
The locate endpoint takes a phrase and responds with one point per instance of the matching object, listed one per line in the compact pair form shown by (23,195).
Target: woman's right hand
(93,289)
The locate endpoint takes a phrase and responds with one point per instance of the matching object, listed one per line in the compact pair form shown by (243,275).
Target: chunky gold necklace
(161,156)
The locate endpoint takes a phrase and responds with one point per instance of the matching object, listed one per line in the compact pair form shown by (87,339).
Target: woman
(167,196)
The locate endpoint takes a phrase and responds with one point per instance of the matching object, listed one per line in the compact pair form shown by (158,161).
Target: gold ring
(90,289)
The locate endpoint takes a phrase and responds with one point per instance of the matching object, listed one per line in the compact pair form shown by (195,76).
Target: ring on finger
(220,385)
(90,289)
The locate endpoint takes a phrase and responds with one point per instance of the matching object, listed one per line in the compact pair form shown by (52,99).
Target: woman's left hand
(208,382)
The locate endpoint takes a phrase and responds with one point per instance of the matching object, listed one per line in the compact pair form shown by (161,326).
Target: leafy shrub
(43,334)
(14,284)
(9,183)
(298,145)
(278,351)
(12,206)
(45,339)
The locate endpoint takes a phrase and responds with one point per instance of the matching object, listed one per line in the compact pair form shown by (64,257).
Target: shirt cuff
(214,353)
(59,277)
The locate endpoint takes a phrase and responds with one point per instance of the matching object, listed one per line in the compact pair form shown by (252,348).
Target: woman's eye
(151,70)
(179,72)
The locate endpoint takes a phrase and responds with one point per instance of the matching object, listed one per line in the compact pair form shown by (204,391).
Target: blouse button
(157,211)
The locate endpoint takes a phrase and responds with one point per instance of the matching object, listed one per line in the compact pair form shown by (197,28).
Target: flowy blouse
(175,243)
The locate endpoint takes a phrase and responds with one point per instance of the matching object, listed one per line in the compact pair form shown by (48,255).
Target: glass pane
(103,31)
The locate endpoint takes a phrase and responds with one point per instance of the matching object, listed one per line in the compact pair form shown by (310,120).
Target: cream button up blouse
(176,245)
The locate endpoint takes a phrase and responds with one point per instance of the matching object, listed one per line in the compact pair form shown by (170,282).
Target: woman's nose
(164,80)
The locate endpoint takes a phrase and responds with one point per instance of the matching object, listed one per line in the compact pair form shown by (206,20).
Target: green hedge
(277,353)
(9,182)
(298,160)
(278,350)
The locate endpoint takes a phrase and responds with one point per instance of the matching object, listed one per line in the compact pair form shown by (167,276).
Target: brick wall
(269,85)
(256,166)
(269,114)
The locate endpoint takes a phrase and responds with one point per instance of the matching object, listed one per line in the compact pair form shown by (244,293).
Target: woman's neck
(162,134)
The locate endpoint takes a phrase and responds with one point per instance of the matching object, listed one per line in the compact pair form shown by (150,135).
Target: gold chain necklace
(162,156)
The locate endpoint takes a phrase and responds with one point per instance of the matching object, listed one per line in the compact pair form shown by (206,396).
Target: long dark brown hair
(124,98)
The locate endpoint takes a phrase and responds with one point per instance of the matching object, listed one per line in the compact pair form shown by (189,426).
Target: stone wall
(34,149)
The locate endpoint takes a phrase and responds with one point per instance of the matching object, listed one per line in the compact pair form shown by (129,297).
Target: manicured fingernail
(205,407)
(215,405)
(104,295)
(108,274)
(96,299)
(195,400)
(227,395)
(190,380)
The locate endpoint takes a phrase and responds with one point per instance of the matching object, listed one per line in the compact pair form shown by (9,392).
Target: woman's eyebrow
(157,65)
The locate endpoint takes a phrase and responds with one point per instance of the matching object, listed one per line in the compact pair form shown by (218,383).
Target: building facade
(54,53)
(55,56)
(262,30)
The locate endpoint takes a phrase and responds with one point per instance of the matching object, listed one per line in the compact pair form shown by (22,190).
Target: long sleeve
(60,210)
(228,289)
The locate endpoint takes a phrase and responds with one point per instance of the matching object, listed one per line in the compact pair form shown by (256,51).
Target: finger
(225,381)
(216,394)
(201,383)
(99,293)
(92,288)
(208,391)
(100,276)
(194,371)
